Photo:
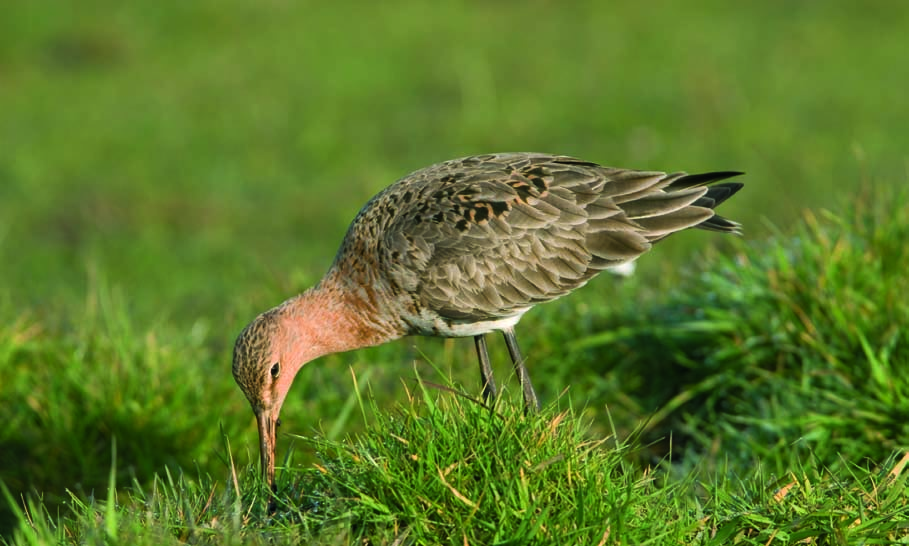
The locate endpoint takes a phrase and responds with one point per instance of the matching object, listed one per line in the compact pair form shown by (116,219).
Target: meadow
(167,171)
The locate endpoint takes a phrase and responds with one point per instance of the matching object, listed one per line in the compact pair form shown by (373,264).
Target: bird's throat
(326,320)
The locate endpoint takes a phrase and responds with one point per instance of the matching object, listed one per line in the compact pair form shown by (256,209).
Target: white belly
(429,323)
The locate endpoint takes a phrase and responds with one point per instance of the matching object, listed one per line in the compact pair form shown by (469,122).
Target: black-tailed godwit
(463,248)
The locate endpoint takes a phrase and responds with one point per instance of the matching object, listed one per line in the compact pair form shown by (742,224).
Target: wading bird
(463,248)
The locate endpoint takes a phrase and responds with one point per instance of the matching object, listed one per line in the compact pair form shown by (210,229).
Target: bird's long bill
(266,423)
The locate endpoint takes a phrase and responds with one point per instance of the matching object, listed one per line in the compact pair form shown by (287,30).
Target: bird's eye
(275,370)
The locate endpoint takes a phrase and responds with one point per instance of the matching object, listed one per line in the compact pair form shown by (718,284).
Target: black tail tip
(691,180)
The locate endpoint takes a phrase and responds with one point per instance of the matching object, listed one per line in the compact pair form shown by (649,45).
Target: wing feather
(485,237)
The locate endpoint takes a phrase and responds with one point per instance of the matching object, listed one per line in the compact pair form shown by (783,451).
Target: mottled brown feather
(485,237)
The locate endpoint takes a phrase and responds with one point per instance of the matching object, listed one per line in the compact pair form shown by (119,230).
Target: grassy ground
(167,171)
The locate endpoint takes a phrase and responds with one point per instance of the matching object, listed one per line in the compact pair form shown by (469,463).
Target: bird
(463,248)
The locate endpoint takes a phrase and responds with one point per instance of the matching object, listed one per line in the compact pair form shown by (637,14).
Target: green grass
(771,435)
(797,340)
(168,171)
(445,470)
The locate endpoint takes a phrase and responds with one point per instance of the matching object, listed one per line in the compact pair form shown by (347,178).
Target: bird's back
(468,245)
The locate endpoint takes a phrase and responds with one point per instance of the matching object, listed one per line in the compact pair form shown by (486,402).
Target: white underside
(430,323)
(623,270)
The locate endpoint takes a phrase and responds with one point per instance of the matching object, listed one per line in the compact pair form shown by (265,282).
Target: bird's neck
(326,320)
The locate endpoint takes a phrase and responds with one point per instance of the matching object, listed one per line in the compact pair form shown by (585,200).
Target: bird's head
(272,349)
(264,367)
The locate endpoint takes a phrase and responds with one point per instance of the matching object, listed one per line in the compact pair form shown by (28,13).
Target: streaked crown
(253,355)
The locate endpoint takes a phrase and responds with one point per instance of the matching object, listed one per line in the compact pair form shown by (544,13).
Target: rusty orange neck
(326,320)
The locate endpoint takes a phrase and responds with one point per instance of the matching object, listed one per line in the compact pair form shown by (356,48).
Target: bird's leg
(531,403)
(489,384)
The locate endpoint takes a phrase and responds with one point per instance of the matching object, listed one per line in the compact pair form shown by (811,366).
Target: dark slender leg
(531,403)
(489,384)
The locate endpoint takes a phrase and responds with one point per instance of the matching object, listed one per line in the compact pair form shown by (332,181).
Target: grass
(800,337)
(446,470)
(765,440)
(166,172)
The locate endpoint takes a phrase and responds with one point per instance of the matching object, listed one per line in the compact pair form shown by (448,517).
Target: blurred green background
(168,170)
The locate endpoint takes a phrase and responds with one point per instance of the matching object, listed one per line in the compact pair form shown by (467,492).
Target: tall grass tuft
(71,388)
(801,340)
(443,469)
